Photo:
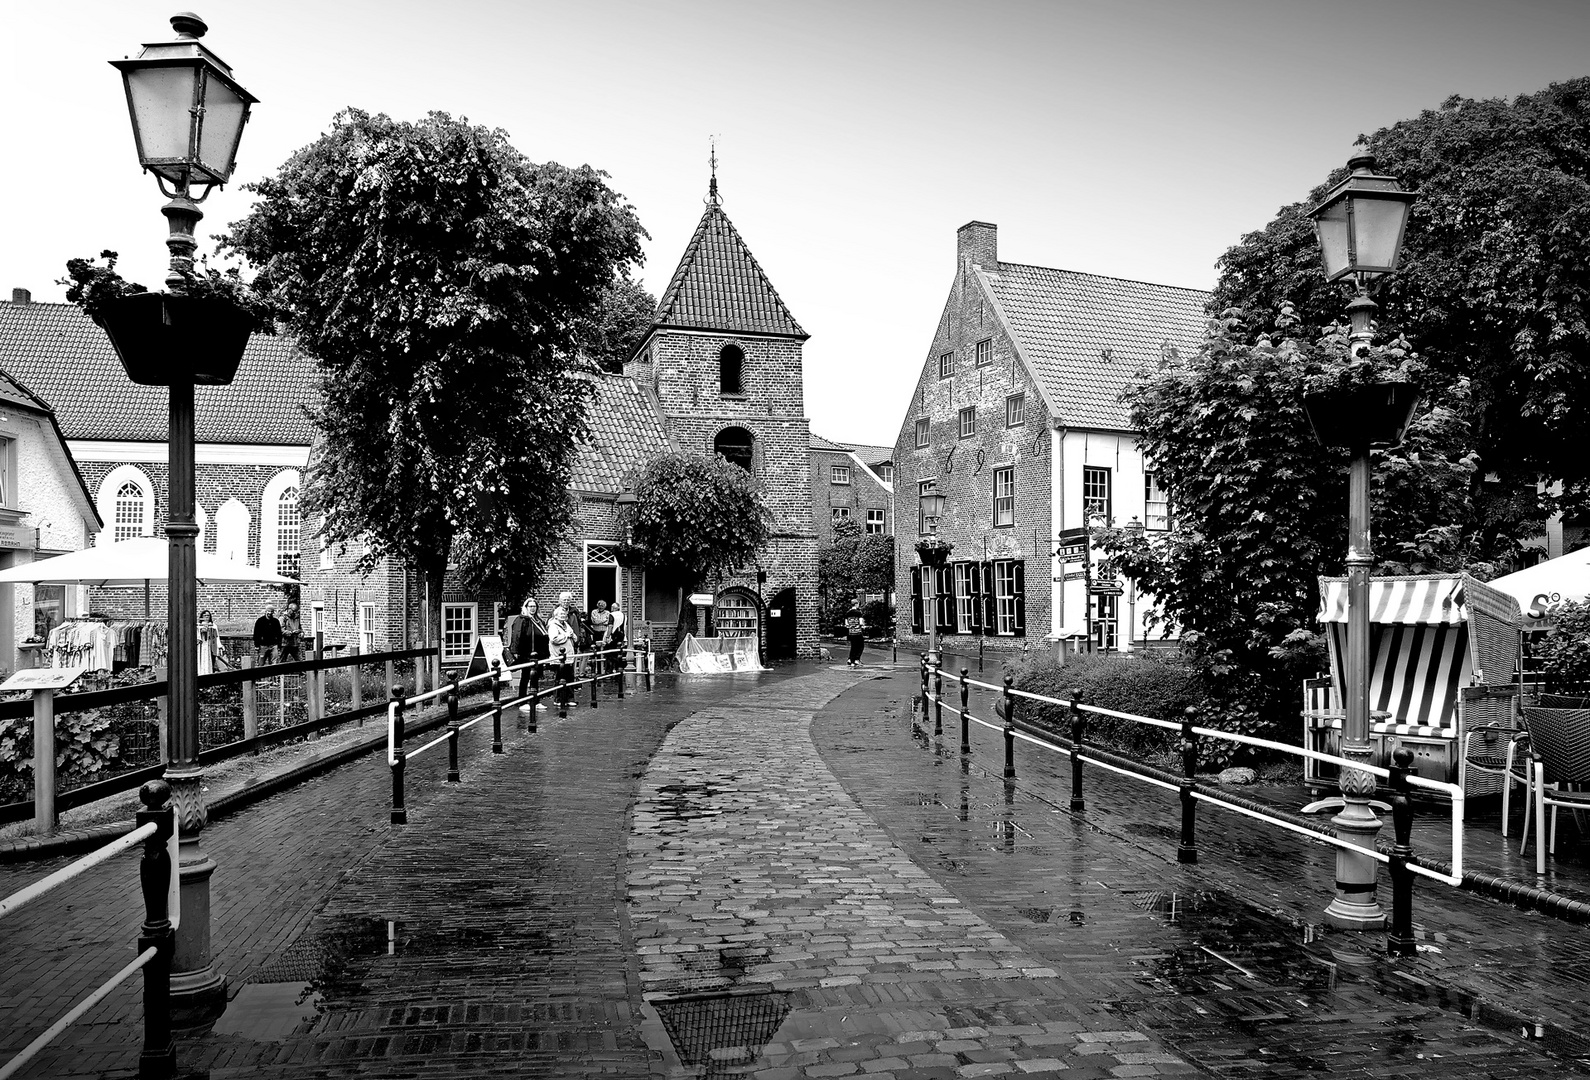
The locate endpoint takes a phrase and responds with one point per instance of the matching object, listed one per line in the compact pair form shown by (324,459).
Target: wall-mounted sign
(704,599)
(1106,588)
(11,537)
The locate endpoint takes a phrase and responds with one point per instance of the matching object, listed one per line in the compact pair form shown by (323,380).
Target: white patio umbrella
(132,563)
(1541,587)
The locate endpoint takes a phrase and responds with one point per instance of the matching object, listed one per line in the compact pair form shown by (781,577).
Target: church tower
(724,359)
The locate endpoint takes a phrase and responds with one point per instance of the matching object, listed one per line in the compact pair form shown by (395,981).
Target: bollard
(1187,850)
(496,729)
(158,1059)
(979,654)
(894,650)
(596,675)
(646,659)
(1077,731)
(1401,941)
(938,701)
(496,681)
(44,819)
(1010,732)
(622,667)
(535,690)
(563,691)
(452,733)
(966,720)
(400,814)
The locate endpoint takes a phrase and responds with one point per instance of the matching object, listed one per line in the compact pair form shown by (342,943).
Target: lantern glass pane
(162,104)
(1330,223)
(1378,223)
(223,126)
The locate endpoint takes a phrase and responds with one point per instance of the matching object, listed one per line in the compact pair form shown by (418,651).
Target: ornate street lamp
(1360,225)
(187,115)
(934,553)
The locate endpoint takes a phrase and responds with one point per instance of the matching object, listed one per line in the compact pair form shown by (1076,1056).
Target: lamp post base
(1355,906)
(198,990)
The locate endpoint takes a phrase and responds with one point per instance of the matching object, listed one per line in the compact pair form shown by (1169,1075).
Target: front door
(781,626)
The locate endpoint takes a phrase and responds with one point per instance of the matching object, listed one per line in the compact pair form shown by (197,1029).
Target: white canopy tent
(1541,587)
(130,564)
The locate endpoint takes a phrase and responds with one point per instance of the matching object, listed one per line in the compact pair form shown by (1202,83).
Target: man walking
(292,631)
(267,637)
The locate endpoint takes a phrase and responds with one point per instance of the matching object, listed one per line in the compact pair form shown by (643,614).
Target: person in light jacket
(561,637)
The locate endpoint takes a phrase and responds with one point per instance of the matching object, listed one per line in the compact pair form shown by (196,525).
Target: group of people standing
(562,636)
(278,641)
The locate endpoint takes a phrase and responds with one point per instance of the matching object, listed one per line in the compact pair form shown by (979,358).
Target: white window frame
(924,487)
(1091,503)
(947,364)
(839,474)
(1107,623)
(8,472)
(985,351)
(1156,512)
(1016,410)
(452,655)
(836,514)
(876,518)
(600,553)
(105,501)
(965,595)
(1005,496)
(270,519)
(366,626)
(967,423)
(924,432)
(1005,598)
(886,473)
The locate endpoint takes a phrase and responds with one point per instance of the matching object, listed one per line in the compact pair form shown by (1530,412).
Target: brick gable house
(252,443)
(1016,419)
(848,485)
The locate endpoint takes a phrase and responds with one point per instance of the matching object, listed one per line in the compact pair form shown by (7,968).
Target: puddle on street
(687,801)
(269,1011)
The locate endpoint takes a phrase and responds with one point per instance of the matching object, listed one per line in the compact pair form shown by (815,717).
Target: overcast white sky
(1135,138)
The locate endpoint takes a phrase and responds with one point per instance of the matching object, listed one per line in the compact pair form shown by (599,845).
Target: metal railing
(398,756)
(1400,857)
(156,830)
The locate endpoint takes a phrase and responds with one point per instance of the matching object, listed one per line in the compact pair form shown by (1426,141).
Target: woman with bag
(561,637)
(855,630)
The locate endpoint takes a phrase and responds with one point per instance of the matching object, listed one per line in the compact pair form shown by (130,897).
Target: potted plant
(933,551)
(195,333)
(1362,402)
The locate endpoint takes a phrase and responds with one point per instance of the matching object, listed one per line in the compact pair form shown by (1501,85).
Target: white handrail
(25,896)
(49,1035)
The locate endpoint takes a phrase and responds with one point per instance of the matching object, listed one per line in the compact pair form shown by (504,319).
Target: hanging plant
(933,551)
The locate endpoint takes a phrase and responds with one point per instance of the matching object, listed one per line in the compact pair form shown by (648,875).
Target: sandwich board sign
(487,649)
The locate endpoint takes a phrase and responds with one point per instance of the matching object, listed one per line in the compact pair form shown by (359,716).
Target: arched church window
(731,370)
(736,445)
(129,511)
(288,531)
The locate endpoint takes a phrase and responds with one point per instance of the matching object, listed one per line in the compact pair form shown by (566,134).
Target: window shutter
(945,600)
(917,626)
(974,584)
(1021,598)
(990,600)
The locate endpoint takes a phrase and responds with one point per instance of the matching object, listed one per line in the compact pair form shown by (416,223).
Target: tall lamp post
(932,506)
(1360,225)
(187,117)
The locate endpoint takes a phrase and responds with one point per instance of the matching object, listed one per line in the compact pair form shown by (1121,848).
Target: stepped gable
(1085,337)
(719,285)
(60,354)
(626,432)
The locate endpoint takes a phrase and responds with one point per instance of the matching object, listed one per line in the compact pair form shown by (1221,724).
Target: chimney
(21,296)
(977,244)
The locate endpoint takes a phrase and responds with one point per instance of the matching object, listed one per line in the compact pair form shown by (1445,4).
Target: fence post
(496,706)
(622,667)
(355,683)
(452,733)
(1187,850)
(391,674)
(979,654)
(400,814)
(312,689)
(43,762)
(250,707)
(894,650)
(966,723)
(563,691)
(1077,732)
(648,658)
(162,715)
(938,699)
(596,674)
(1401,941)
(158,1059)
(1010,731)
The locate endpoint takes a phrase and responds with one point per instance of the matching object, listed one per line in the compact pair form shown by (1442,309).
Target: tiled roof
(872,455)
(719,285)
(820,443)
(61,355)
(13,392)
(1085,336)
(626,432)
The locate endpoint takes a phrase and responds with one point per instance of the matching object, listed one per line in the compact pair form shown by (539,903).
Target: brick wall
(863,493)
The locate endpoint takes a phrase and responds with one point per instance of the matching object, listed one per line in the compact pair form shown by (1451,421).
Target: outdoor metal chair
(1500,753)
(1560,747)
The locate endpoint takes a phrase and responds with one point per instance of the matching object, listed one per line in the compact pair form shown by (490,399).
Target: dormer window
(731,370)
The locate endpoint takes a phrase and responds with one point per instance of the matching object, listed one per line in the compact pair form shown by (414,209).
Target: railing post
(1401,941)
(647,660)
(158,1059)
(1077,732)
(43,762)
(622,667)
(496,706)
(163,714)
(979,654)
(400,814)
(1187,850)
(563,690)
(452,733)
(355,684)
(596,674)
(966,723)
(894,650)
(938,700)
(1010,731)
(496,682)
(250,707)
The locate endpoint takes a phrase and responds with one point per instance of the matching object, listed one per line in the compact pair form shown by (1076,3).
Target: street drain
(721,1030)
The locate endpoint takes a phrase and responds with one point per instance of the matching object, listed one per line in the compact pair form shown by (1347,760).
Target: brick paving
(768,875)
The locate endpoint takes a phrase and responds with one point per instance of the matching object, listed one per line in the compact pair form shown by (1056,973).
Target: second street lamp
(187,115)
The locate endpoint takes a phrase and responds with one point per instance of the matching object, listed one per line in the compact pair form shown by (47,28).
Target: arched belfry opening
(737,445)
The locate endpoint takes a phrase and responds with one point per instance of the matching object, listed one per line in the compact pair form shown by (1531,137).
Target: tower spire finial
(712,161)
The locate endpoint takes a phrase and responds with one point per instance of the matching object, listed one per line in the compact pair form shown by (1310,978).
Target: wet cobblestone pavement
(771,876)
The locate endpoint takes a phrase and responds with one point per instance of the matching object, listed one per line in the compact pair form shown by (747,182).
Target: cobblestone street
(771,876)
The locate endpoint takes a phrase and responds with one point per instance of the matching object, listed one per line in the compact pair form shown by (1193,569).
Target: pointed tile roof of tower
(719,285)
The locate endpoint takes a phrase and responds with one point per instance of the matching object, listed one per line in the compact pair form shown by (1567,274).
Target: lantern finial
(188,25)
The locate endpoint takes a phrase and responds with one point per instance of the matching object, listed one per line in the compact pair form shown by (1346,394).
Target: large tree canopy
(855,563)
(443,283)
(1493,290)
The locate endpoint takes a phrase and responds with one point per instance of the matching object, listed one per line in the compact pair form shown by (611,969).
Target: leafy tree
(855,563)
(441,281)
(1259,507)
(619,324)
(695,518)
(1565,652)
(1493,292)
